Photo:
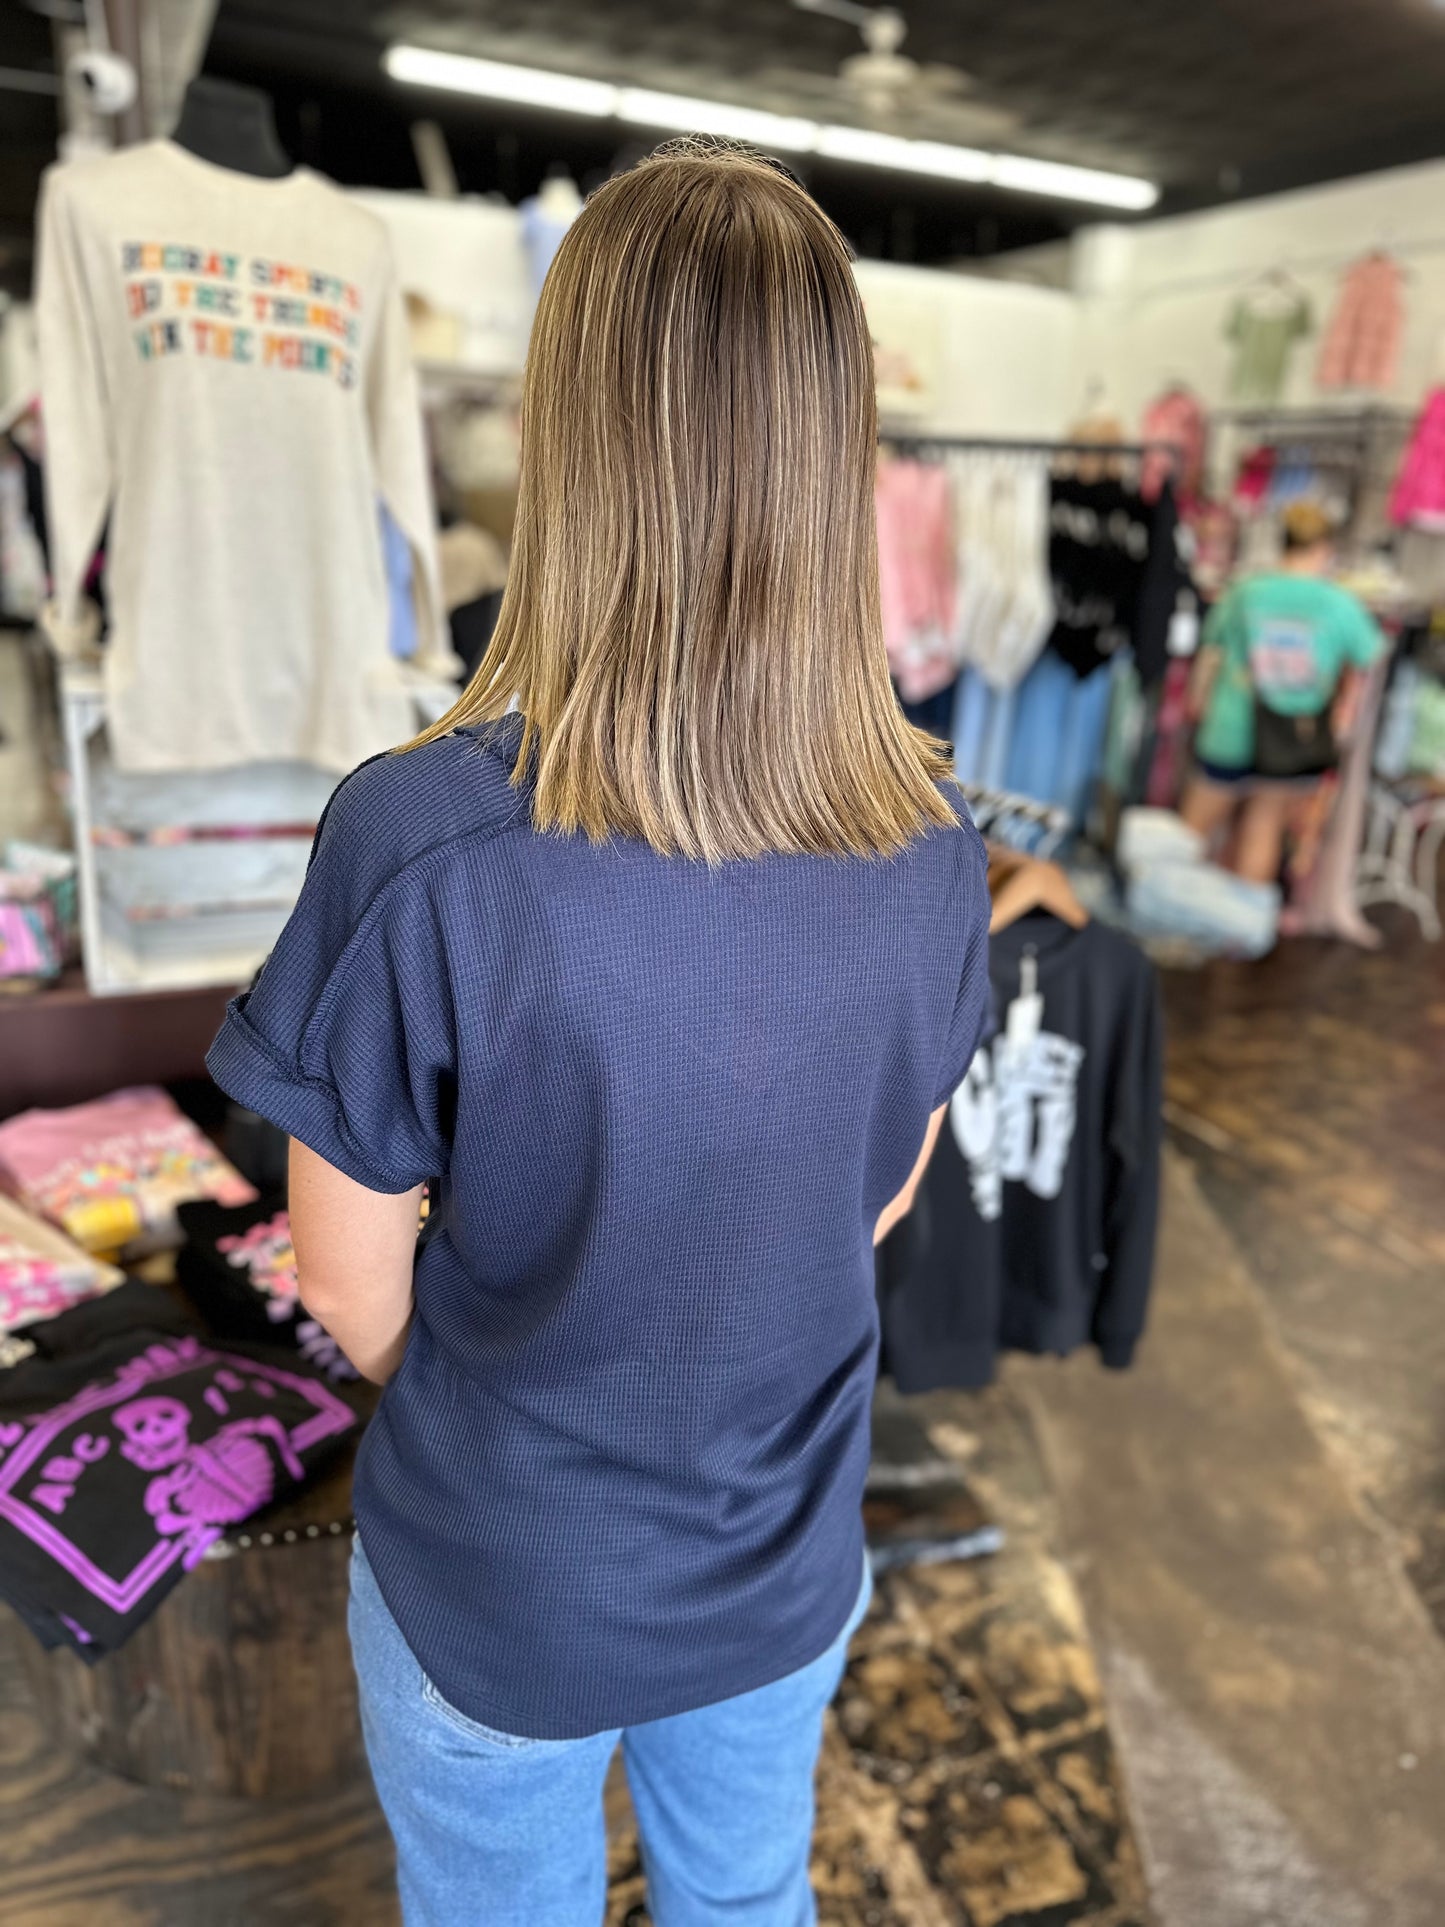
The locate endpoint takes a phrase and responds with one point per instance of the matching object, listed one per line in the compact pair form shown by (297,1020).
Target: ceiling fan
(886,85)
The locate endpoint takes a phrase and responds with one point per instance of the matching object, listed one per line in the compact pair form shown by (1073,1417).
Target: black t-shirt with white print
(1033,1229)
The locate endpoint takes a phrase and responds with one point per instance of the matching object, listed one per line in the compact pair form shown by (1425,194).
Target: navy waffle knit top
(619,1471)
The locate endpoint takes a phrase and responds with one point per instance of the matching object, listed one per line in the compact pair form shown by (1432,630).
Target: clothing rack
(1009,445)
(1359,448)
(1285,419)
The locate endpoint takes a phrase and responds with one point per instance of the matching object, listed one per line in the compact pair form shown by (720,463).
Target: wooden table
(241,1682)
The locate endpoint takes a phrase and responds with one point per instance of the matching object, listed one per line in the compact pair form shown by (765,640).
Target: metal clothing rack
(1360,447)
(910,444)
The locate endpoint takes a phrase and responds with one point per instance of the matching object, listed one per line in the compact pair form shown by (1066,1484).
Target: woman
(1276,686)
(664,981)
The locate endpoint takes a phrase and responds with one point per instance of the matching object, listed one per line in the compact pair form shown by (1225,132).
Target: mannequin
(232,127)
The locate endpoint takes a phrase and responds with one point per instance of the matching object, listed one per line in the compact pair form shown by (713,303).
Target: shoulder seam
(516,798)
(337,975)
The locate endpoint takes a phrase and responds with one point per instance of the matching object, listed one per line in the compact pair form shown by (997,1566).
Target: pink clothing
(1419,494)
(111,1173)
(1171,737)
(916,576)
(41,1271)
(1362,342)
(1176,417)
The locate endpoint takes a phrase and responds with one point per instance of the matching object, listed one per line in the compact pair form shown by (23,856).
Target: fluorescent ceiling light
(536,86)
(572,94)
(913,157)
(862,144)
(1030,176)
(716,117)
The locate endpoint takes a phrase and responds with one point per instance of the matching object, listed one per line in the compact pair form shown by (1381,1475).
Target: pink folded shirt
(111,1172)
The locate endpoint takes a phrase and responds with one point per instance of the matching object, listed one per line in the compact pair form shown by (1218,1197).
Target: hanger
(1018,884)
(1276,280)
(1099,424)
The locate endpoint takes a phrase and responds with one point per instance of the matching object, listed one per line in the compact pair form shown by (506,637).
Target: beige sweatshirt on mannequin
(225,374)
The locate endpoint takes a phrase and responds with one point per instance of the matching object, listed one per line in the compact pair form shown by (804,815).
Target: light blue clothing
(999,737)
(491,1827)
(1043,702)
(983,729)
(1043,739)
(401,607)
(1081,753)
(541,237)
(1059,725)
(972,709)
(1223,914)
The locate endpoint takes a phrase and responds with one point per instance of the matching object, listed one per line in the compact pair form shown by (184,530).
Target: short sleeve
(971,1001)
(346,1038)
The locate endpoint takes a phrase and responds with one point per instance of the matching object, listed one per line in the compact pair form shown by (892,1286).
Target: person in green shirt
(1295,644)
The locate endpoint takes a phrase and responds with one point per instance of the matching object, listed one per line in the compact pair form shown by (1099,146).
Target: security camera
(104,81)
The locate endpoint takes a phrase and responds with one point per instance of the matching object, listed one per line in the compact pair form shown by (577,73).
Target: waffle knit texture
(618,1474)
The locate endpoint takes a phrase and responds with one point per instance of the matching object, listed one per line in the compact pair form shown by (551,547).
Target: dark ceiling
(1213,101)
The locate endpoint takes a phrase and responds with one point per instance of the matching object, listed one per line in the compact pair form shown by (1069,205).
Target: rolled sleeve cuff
(249,1070)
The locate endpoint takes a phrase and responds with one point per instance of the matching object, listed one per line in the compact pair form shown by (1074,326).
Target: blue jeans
(493,1830)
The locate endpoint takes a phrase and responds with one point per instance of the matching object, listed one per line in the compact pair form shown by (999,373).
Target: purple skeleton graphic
(204,1487)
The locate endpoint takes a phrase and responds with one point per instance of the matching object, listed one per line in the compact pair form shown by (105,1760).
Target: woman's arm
(1202,678)
(354,1254)
(1345,708)
(903,1203)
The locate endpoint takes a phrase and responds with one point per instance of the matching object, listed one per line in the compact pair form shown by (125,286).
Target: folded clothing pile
(238,1268)
(128,1445)
(1172,890)
(111,1173)
(41,1273)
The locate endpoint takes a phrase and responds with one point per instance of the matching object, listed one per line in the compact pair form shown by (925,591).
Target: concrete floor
(1256,1514)
(1308,1092)
(1274,1684)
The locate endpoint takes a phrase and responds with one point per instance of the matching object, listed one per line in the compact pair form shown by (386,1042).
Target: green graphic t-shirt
(1288,638)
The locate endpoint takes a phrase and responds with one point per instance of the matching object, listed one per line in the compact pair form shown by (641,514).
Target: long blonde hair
(691,625)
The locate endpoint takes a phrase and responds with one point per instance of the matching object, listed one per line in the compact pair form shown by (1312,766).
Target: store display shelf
(186,880)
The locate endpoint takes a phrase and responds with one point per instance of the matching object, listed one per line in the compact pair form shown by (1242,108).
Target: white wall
(465,257)
(1004,359)
(1156,296)
(994,358)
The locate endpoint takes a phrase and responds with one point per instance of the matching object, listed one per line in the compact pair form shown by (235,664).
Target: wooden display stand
(241,1683)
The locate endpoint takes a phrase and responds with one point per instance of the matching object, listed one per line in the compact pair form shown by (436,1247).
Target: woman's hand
(354,1254)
